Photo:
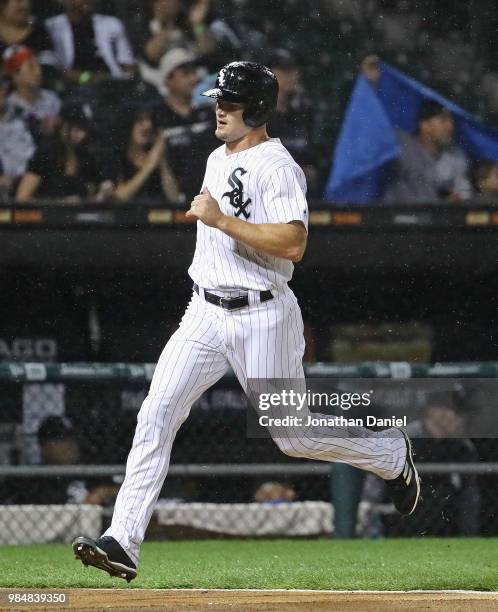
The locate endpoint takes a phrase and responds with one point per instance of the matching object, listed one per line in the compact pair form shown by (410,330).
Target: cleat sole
(90,554)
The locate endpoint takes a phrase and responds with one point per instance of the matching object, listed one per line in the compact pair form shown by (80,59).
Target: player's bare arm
(284,240)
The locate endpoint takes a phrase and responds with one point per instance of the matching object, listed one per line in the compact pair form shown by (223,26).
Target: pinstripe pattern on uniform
(192,361)
(261,341)
(280,323)
(277,189)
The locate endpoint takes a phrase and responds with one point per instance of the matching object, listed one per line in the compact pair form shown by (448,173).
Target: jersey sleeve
(284,196)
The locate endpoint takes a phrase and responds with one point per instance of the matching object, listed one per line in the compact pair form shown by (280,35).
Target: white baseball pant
(264,340)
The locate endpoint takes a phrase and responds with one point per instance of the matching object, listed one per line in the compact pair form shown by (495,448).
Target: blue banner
(368,141)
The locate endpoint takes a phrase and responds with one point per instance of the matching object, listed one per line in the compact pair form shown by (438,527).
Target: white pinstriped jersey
(262,184)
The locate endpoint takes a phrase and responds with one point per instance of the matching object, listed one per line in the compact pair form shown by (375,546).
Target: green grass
(304,564)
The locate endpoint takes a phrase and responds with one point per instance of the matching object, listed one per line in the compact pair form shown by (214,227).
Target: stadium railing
(215,469)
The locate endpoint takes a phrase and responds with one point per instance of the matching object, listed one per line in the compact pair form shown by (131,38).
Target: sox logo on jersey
(236,196)
(262,340)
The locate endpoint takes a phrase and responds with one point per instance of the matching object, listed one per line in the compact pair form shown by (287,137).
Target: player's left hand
(205,208)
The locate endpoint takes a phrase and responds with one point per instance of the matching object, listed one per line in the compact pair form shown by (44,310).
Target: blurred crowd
(100,100)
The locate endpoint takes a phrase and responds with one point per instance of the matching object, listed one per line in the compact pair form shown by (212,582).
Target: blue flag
(368,142)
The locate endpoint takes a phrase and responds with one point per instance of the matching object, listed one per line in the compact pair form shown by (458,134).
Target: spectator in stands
(275,493)
(19,27)
(58,446)
(431,167)
(370,68)
(89,47)
(440,437)
(64,168)
(485,180)
(16,142)
(292,120)
(143,172)
(29,100)
(237,33)
(193,139)
(173,26)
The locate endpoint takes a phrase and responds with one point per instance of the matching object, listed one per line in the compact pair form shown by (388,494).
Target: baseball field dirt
(245,600)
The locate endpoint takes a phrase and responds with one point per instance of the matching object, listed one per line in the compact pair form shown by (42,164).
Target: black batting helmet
(250,83)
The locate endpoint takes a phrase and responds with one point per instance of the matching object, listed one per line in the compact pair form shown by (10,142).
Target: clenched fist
(205,208)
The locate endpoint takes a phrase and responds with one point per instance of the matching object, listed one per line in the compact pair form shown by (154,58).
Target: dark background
(116,294)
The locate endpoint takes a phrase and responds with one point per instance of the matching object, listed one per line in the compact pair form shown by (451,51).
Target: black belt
(232,303)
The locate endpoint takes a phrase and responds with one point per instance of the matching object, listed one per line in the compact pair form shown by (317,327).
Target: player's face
(230,125)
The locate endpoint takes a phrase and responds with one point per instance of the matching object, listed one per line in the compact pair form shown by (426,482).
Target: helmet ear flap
(255,114)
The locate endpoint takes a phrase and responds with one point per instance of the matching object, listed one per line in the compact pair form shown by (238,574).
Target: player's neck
(255,137)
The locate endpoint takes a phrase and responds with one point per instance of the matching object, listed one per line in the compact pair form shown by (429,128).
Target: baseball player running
(252,220)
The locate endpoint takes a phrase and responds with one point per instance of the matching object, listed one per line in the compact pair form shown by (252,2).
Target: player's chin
(221,134)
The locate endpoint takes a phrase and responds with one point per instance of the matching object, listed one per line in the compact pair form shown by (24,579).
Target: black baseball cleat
(405,488)
(105,554)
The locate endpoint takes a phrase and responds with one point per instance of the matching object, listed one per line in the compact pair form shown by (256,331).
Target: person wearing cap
(89,46)
(192,139)
(64,167)
(431,168)
(292,118)
(28,98)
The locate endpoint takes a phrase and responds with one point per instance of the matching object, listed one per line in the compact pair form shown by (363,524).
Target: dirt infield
(134,599)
